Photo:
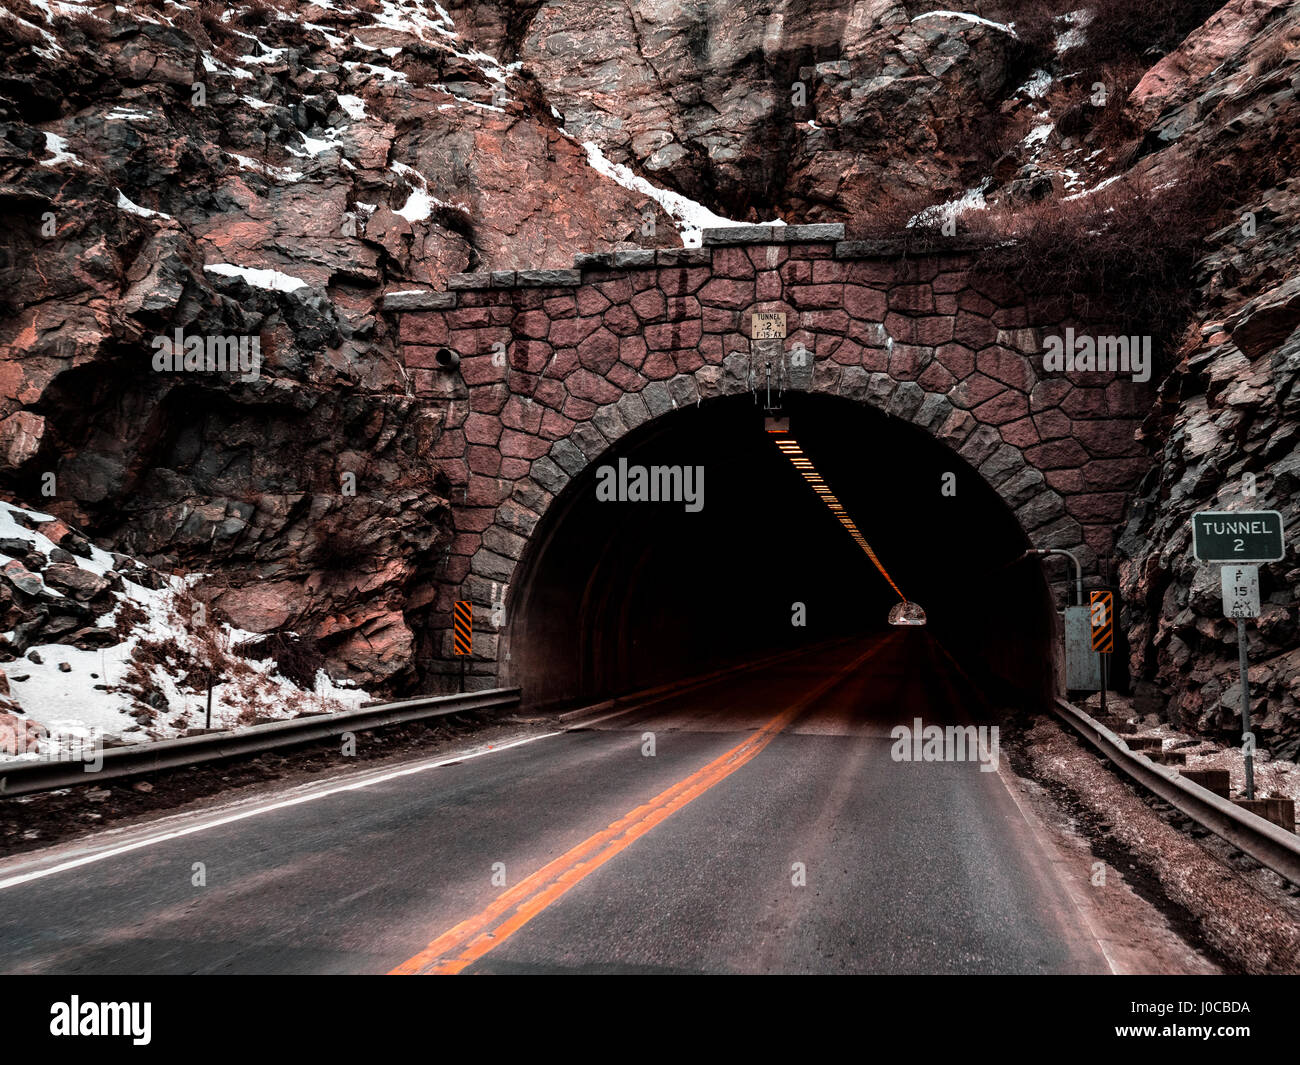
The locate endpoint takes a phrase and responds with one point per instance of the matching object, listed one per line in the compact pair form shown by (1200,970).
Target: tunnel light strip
(790,448)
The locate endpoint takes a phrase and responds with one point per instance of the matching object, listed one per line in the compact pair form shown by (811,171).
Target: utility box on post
(1082,663)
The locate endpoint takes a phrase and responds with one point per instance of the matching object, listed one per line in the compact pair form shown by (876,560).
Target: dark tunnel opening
(614,596)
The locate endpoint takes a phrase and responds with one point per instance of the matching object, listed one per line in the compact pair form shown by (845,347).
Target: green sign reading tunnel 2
(1237,536)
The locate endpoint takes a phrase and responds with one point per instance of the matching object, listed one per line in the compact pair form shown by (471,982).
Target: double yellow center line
(470,940)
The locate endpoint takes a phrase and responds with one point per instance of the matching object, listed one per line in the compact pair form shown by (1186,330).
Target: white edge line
(99,856)
(1048,847)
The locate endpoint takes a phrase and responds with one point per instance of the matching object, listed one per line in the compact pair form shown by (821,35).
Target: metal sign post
(1235,540)
(462,641)
(1103,635)
(1240,585)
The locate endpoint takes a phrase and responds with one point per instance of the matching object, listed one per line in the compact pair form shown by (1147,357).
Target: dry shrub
(25,10)
(889,223)
(128,618)
(90,27)
(20,33)
(296,659)
(1120,29)
(1131,245)
(211,15)
(259,13)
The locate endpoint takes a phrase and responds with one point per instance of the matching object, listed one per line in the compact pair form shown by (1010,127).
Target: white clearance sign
(1240,591)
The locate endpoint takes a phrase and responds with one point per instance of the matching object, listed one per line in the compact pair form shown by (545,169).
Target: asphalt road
(770,831)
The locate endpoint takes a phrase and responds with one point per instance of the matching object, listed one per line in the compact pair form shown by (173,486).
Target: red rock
(1065,481)
(936,378)
(624,377)
(649,305)
(974,331)
(485,460)
(591,301)
(682,307)
(632,351)
(622,320)
(917,299)
(517,445)
(1057,454)
(724,293)
(599,351)
(550,392)
(571,332)
(261,607)
(470,318)
(828,272)
(1096,506)
(486,491)
(530,356)
(1108,437)
(479,369)
(561,306)
(732,262)
(681,281)
(812,296)
(1007,407)
(563,363)
(1007,366)
(424,327)
(658,366)
(520,413)
(864,303)
(1053,424)
(579,409)
(482,429)
(769,286)
(672,335)
(532,324)
(555,425)
(687,360)
(583,384)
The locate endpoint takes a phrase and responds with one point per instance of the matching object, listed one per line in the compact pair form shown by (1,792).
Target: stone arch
(625,337)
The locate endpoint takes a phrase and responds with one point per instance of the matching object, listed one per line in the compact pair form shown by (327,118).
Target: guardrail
(1264,841)
(22,778)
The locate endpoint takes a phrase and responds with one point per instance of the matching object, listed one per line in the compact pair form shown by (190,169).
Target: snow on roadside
(88,699)
(1273,776)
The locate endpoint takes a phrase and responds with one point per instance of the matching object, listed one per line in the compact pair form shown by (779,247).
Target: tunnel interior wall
(612,596)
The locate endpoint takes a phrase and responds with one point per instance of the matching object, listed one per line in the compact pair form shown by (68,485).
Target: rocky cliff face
(268,172)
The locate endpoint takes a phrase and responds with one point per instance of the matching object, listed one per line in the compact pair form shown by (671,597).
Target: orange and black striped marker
(463,636)
(1103,621)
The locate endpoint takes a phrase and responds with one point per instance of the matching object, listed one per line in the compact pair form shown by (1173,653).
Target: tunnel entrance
(615,592)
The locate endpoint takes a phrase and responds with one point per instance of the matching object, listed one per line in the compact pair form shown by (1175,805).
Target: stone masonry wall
(556,365)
